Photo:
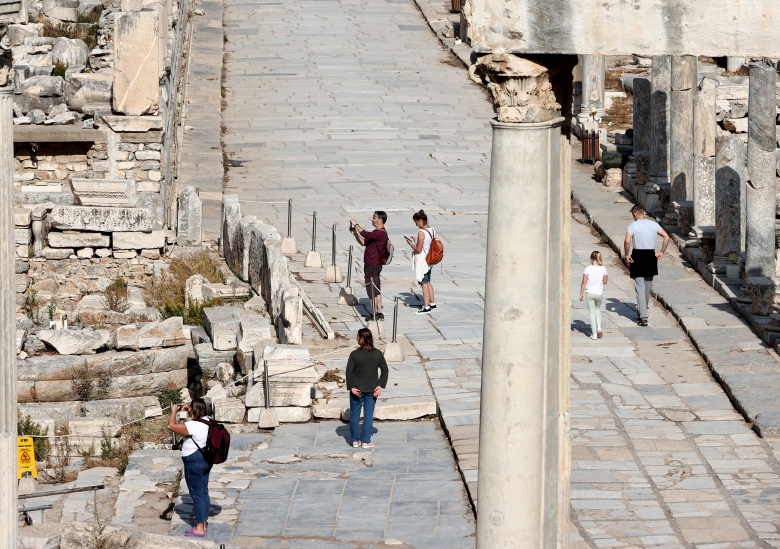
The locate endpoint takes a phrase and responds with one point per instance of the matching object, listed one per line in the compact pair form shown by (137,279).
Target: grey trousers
(643,287)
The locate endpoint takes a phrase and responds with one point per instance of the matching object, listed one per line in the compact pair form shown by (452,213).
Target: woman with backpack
(196,468)
(422,271)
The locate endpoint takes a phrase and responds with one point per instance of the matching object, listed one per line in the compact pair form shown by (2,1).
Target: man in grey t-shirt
(642,260)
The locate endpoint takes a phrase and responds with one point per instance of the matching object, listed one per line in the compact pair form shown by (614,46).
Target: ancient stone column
(760,199)
(523,465)
(705,132)
(681,126)
(733,64)
(594,68)
(661,79)
(730,154)
(8,454)
(642,94)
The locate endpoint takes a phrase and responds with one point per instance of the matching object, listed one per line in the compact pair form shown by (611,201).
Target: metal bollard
(373,309)
(314,232)
(349,269)
(266,385)
(289,218)
(333,252)
(395,318)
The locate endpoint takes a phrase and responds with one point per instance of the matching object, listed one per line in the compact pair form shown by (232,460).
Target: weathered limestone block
(230,231)
(138,240)
(57,253)
(156,361)
(77,240)
(166,333)
(209,358)
(225,372)
(104,192)
(763,294)
(286,394)
(60,11)
(334,408)
(229,410)
(124,409)
(74,342)
(253,328)
(225,292)
(404,408)
(243,246)
(222,325)
(71,52)
(613,177)
(136,62)
(292,314)
(286,363)
(290,414)
(190,226)
(43,86)
(101,219)
(126,337)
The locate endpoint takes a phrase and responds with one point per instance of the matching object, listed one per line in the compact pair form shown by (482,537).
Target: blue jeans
(366,401)
(196,473)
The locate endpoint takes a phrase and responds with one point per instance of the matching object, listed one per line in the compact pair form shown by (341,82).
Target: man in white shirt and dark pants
(642,260)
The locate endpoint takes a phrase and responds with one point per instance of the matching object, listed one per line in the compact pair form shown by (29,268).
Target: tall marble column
(594,68)
(523,454)
(8,481)
(642,110)
(705,132)
(730,153)
(760,197)
(681,127)
(661,80)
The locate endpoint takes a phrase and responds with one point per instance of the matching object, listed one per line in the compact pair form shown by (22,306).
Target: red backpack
(217,442)
(436,251)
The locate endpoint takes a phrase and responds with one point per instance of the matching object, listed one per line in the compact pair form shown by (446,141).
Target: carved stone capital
(521,88)
(6,59)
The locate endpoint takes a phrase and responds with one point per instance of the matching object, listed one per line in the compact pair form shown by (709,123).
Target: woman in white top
(422,271)
(592,289)
(196,469)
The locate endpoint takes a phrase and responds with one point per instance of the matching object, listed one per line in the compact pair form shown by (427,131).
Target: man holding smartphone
(375,243)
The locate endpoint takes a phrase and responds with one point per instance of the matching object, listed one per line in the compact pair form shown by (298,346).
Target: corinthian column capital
(521,88)
(6,59)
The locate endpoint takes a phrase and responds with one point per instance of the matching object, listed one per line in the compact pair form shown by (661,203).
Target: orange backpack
(436,251)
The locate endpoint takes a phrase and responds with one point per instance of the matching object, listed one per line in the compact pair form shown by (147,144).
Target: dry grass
(166,292)
(85,29)
(116,452)
(620,114)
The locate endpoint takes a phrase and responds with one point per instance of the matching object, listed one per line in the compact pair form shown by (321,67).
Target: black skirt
(645,264)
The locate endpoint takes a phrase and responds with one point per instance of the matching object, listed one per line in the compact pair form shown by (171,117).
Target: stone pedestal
(661,80)
(705,132)
(8,480)
(730,152)
(519,432)
(189,230)
(594,69)
(763,294)
(681,126)
(760,190)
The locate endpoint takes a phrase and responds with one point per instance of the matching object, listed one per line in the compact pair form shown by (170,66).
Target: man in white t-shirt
(642,259)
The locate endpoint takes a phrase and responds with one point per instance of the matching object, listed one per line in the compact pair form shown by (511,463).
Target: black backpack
(217,442)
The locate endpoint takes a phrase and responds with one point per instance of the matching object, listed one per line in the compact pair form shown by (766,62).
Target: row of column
(730,185)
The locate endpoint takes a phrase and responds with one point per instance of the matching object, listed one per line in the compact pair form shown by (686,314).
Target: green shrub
(116,295)
(59,69)
(169,396)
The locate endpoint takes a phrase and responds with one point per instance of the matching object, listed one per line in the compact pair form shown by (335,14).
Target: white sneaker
(594,336)
(356,444)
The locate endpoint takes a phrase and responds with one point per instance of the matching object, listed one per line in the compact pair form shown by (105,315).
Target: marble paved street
(350,106)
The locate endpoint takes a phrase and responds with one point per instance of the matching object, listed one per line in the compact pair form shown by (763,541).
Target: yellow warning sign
(26,459)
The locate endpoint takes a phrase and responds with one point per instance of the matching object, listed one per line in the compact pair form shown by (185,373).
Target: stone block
(104,192)
(133,123)
(229,410)
(123,409)
(334,408)
(138,240)
(209,358)
(166,333)
(190,227)
(124,254)
(126,337)
(85,253)
(43,86)
(222,325)
(74,342)
(225,292)
(291,414)
(52,253)
(101,219)
(282,394)
(763,292)
(22,217)
(613,177)
(77,240)
(22,236)
(404,408)
(136,62)
(70,52)
(253,328)
(286,363)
